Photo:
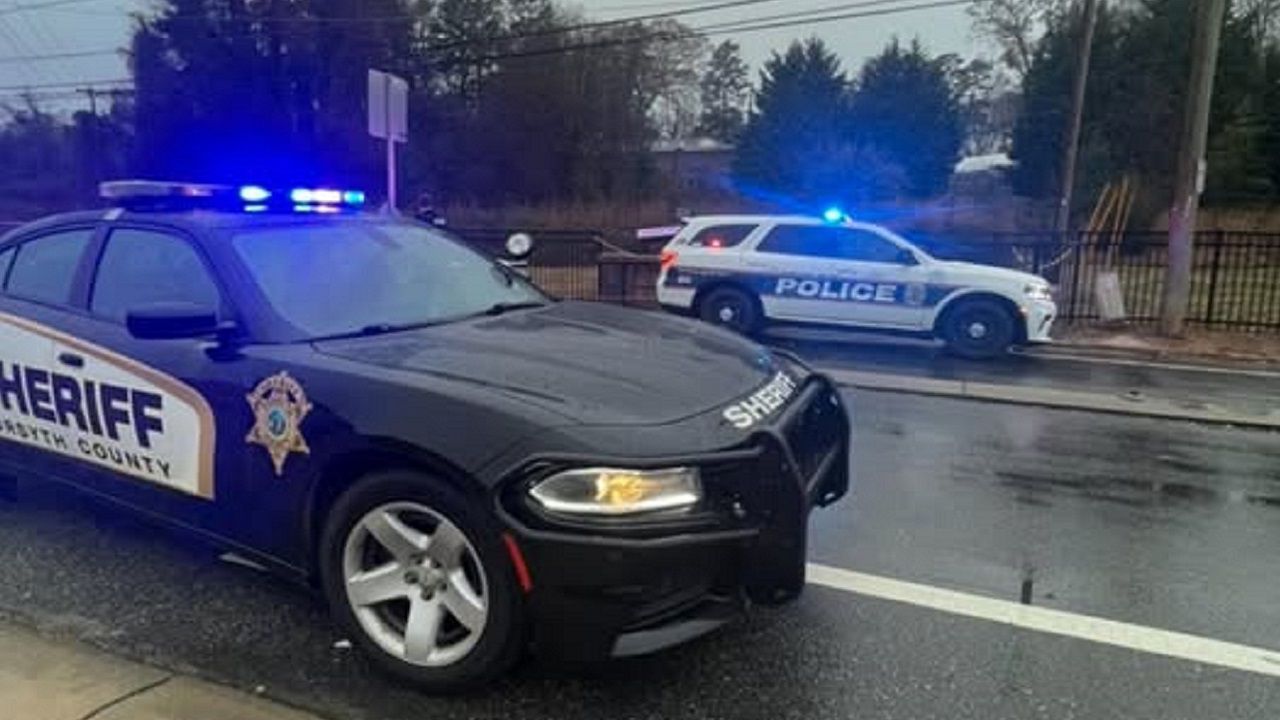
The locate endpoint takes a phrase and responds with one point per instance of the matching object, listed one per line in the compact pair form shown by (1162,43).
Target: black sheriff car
(464,466)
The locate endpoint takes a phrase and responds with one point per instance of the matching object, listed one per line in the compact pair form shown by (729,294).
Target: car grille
(815,433)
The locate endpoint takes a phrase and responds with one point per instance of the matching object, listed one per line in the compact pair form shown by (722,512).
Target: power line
(796,14)
(736,26)
(691,9)
(724,28)
(650,5)
(7,33)
(697,8)
(57,56)
(55,85)
(665,15)
(42,41)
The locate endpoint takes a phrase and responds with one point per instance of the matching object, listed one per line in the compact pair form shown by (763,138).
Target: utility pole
(1072,148)
(91,128)
(1191,166)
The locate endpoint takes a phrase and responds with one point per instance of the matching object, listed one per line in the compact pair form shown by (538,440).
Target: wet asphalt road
(1158,523)
(1254,392)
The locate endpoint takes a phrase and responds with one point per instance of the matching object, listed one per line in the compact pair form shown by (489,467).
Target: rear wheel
(979,329)
(417,576)
(731,308)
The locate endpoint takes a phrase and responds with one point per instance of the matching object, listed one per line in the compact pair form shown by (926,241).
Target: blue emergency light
(254,194)
(152,194)
(834,215)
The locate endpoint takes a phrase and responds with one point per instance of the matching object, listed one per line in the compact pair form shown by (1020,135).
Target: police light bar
(834,215)
(137,189)
(246,198)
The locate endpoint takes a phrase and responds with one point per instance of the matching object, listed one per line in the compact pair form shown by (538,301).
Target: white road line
(1057,622)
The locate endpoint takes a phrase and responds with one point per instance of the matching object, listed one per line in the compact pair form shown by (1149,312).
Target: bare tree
(1264,16)
(1015,26)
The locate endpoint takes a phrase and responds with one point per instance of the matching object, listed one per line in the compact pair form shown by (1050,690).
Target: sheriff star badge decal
(279,407)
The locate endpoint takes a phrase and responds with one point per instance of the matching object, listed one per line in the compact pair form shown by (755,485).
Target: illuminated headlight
(1039,291)
(614,491)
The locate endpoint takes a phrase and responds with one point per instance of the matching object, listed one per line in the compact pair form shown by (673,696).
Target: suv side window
(45,268)
(146,267)
(869,247)
(805,240)
(836,243)
(6,259)
(721,236)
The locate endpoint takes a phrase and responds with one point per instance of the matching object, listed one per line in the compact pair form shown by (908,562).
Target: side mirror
(172,321)
(519,245)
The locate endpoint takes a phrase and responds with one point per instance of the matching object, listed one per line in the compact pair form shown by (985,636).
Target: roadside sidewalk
(1198,347)
(43,679)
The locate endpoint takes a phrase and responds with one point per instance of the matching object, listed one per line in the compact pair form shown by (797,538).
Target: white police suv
(743,271)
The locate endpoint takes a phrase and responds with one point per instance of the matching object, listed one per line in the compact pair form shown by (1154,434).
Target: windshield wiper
(388,328)
(376,329)
(506,307)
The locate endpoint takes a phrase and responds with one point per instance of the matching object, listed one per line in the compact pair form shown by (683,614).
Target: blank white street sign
(389,120)
(388,106)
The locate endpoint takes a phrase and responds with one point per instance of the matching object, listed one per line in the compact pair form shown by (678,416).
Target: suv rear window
(721,236)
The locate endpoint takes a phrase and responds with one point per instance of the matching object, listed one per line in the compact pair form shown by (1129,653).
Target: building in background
(693,170)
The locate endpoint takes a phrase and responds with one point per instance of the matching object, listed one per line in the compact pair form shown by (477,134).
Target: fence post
(1076,240)
(1219,240)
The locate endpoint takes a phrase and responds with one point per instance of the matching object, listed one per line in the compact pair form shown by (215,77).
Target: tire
(382,579)
(979,329)
(731,308)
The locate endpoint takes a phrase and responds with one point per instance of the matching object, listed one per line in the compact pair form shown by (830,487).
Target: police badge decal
(279,407)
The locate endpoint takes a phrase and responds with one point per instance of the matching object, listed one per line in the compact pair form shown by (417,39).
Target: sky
(72,26)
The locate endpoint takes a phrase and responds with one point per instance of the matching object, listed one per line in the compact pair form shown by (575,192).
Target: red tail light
(668,259)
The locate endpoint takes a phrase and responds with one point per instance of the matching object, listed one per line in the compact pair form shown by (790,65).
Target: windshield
(340,278)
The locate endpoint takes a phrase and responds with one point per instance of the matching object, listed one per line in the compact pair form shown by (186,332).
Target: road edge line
(1042,397)
(1140,638)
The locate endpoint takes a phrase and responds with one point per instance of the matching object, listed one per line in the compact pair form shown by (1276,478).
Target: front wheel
(731,308)
(979,329)
(417,576)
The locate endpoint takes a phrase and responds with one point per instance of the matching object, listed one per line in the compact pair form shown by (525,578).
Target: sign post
(389,120)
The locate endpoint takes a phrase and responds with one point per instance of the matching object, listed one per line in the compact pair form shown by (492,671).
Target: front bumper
(1039,315)
(600,593)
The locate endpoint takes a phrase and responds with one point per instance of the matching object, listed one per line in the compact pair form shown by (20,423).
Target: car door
(840,275)
(170,447)
(40,277)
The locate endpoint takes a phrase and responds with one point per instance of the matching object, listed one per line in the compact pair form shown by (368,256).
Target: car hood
(991,272)
(593,363)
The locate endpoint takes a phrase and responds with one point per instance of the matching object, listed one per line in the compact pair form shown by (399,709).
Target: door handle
(71,360)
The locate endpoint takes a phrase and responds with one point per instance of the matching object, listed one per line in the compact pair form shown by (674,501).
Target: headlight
(1038,291)
(614,491)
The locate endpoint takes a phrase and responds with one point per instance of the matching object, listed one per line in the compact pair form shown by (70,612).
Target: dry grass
(1258,348)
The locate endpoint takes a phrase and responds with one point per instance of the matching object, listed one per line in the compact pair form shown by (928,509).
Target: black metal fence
(1235,282)
(1235,277)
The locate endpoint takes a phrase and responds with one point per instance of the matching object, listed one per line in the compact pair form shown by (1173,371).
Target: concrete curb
(1054,398)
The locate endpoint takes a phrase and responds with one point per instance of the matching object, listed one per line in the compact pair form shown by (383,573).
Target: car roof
(194,220)
(753,219)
